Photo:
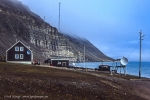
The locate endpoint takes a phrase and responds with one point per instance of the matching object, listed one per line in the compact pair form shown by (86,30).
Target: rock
(17,22)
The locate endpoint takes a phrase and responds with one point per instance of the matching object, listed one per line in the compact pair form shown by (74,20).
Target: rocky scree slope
(17,22)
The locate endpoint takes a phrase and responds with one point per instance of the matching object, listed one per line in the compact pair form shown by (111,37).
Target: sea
(132,68)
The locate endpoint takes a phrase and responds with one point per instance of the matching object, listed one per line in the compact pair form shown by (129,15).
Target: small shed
(19,53)
(59,62)
(104,68)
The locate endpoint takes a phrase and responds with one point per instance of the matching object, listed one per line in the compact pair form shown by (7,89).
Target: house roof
(16,43)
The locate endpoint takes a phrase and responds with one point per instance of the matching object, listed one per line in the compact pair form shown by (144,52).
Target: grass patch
(35,82)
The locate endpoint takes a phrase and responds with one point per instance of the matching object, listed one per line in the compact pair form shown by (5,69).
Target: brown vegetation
(34,82)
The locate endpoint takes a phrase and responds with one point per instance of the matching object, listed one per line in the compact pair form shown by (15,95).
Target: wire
(133,50)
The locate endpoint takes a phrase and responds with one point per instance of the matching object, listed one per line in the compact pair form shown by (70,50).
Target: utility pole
(84,58)
(45,39)
(141,38)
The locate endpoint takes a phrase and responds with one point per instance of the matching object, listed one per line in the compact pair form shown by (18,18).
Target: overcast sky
(113,26)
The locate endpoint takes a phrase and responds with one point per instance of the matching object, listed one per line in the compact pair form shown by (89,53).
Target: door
(64,64)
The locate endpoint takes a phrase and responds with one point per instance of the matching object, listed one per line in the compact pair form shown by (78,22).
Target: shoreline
(132,67)
(82,69)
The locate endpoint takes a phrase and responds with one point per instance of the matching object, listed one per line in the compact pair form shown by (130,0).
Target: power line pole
(84,58)
(141,38)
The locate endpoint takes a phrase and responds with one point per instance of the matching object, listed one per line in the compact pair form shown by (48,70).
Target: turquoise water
(132,68)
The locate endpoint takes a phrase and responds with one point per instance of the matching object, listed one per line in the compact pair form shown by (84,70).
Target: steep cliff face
(17,22)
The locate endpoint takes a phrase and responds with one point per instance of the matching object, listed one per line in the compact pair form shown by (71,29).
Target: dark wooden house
(58,62)
(19,53)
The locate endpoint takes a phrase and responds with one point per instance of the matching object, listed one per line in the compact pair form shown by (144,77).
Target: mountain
(17,22)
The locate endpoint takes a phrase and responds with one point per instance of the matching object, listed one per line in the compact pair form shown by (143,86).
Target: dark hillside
(17,22)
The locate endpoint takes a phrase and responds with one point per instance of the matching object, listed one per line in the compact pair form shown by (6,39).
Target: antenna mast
(44,23)
(59,34)
(59,18)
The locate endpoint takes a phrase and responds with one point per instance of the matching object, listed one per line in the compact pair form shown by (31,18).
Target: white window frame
(21,56)
(17,48)
(21,48)
(16,56)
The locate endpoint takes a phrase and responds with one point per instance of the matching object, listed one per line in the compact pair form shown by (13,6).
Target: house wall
(11,53)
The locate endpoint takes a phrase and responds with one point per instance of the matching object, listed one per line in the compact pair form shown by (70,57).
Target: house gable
(18,52)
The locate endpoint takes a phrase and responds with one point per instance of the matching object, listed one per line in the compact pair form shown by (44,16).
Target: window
(16,48)
(21,56)
(21,48)
(16,56)
(59,63)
